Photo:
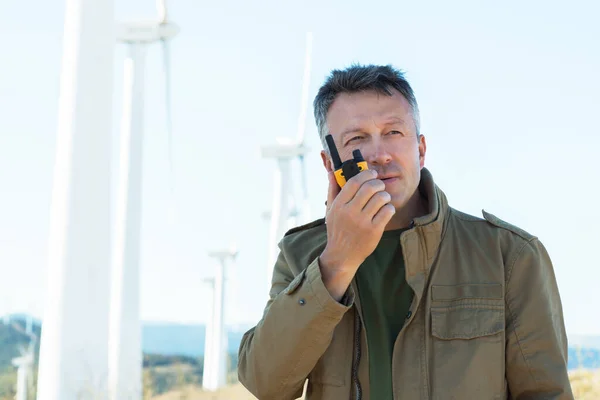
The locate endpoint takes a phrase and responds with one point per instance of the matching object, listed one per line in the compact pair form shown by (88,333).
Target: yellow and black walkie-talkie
(346,170)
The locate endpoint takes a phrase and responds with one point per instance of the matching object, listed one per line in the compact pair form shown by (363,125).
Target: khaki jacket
(486,321)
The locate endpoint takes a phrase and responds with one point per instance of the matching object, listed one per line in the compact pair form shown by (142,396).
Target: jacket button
(408,315)
(302,302)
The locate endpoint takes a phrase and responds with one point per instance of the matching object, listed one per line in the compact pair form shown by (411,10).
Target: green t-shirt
(385,299)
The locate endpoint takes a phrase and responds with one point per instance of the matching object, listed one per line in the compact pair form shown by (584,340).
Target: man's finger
(353,185)
(384,215)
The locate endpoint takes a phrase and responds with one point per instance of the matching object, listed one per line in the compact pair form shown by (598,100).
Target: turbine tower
(285,211)
(215,361)
(125,348)
(207,376)
(74,340)
(24,365)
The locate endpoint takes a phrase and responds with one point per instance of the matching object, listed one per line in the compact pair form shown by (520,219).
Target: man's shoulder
(306,236)
(494,222)
(305,241)
(306,227)
(497,222)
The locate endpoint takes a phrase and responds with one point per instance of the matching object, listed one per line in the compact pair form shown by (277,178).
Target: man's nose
(377,154)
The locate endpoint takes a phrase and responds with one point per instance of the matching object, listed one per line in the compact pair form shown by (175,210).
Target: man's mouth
(388,179)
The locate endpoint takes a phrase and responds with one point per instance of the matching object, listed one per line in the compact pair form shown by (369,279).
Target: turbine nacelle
(285,148)
(224,254)
(146,31)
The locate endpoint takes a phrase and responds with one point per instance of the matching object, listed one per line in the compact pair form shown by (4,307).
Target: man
(395,294)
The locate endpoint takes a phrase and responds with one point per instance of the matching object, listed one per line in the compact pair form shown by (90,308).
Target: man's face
(382,127)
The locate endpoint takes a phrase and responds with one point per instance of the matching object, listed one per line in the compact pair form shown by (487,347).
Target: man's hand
(356,218)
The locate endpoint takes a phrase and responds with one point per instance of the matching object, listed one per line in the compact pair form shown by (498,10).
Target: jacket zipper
(357,327)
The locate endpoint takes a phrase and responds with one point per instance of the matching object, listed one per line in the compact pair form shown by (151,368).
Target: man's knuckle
(363,224)
(384,196)
(371,187)
(353,185)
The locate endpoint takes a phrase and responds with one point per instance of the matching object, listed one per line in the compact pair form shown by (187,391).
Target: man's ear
(326,164)
(326,161)
(422,150)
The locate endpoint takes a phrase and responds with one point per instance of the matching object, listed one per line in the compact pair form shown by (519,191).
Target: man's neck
(417,206)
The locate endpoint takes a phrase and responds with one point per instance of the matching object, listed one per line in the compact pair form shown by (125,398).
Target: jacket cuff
(322,295)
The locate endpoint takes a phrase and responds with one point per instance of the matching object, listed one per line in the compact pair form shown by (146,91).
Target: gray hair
(358,78)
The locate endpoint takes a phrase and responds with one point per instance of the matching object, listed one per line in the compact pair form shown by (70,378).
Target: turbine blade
(161,7)
(169,121)
(305,85)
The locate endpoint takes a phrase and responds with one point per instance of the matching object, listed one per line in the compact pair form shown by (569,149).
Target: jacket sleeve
(277,355)
(536,342)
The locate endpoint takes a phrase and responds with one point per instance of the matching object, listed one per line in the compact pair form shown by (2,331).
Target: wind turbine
(215,361)
(209,370)
(29,320)
(125,349)
(74,338)
(24,365)
(285,210)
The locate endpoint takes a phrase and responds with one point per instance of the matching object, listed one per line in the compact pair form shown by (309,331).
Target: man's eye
(395,133)
(354,138)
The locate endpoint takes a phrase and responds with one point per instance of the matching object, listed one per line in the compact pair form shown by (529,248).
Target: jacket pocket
(467,342)
(466,321)
(467,311)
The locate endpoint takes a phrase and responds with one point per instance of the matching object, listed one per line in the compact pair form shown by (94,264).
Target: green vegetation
(163,373)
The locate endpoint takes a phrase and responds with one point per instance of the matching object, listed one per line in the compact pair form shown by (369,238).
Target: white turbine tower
(215,354)
(207,376)
(125,348)
(24,365)
(285,211)
(29,320)
(74,339)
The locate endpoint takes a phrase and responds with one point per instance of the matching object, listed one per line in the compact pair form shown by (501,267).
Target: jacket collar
(431,225)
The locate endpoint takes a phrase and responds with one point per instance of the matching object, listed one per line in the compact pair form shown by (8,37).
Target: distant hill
(180,339)
(584,351)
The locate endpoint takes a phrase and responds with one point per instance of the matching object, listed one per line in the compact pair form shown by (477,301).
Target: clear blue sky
(509,100)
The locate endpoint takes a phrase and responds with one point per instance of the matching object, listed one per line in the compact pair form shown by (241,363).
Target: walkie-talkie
(346,170)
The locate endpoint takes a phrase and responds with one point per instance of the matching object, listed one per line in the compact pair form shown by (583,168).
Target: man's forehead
(355,109)
(368,103)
